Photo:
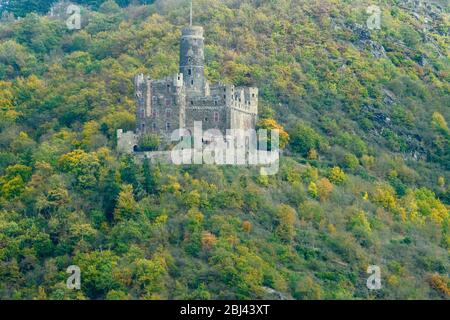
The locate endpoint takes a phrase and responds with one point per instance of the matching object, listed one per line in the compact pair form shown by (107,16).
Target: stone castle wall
(176,102)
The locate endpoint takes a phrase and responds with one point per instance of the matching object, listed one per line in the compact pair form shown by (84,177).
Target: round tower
(192,59)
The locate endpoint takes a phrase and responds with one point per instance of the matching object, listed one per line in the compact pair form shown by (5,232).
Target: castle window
(168,113)
(190,72)
(154,126)
(192,103)
(253,95)
(224,96)
(216,117)
(168,88)
(167,102)
(215,102)
(167,126)
(206,119)
(154,99)
(143,127)
(192,82)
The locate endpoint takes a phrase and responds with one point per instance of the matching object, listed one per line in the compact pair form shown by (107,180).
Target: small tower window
(190,72)
(167,126)
(215,102)
(192,82)
(216,117)
(192,103)
(168,113)
(168,88)
(154,99)
(253,95)
(154,126)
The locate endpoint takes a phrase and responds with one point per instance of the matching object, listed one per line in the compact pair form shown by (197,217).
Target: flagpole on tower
(190,20)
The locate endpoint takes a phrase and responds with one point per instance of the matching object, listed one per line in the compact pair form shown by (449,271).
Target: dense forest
(364,176)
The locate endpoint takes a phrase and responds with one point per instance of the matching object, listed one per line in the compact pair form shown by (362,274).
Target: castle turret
(192,59)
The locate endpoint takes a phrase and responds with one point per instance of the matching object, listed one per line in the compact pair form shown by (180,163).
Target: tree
(97,269)
(21,8)
(438,121)
(337,175)
(286,217)
(247,226)
(208,240)
(269,125)
(304,139)
(126,206)
(152,175)
(149,142)
(324,189)
(312,189)
(84,166)
(351,161)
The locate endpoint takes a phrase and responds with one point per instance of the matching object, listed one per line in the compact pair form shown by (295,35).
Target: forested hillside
(364,177)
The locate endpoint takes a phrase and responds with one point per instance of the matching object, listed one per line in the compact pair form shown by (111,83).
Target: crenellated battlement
(180,100)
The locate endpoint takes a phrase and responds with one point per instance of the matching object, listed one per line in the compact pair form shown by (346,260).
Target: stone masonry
(178,101)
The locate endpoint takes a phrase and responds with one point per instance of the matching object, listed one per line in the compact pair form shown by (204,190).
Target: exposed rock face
(376,49)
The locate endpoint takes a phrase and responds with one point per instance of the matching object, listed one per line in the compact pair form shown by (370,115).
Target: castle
(178,101)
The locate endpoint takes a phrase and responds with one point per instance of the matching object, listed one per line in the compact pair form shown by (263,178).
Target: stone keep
(176,102)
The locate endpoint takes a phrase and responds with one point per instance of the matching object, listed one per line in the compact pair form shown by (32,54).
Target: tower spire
(190,16)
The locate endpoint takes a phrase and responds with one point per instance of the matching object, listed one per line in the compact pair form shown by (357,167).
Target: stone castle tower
(178,101)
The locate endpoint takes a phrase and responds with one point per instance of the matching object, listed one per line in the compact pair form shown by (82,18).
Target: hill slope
(363,181)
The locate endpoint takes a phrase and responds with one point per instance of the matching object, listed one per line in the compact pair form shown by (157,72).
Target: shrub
(304,139)
(149,142)
(337,175)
